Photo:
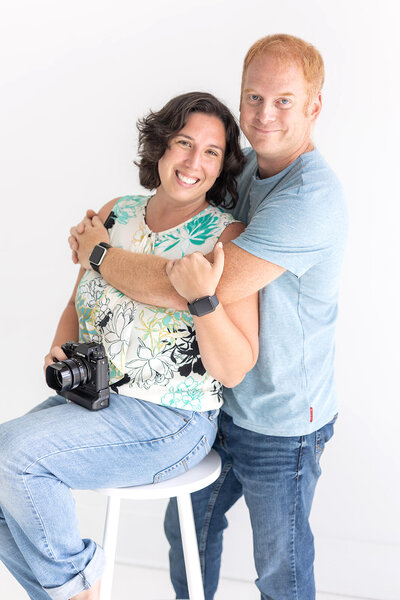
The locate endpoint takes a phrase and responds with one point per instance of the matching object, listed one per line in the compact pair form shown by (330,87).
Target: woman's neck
(164,213)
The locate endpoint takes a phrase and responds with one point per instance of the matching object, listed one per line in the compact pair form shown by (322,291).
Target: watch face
(97,254)
(203,306)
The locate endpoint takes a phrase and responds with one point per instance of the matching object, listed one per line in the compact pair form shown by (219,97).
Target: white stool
(205,473)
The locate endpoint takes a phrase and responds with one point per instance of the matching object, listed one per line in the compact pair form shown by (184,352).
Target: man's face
(275,113)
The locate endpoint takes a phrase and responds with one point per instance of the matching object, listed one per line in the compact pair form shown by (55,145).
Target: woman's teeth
(188,180)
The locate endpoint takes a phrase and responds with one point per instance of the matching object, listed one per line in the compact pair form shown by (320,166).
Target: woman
(162,420)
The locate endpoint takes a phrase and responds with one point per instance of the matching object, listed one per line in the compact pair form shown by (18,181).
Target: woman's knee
(17,448)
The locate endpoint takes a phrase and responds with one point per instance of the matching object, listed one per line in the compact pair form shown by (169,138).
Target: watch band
(97,255)
(203,306)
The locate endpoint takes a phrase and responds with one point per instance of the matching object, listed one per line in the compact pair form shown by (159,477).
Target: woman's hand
(80,228)
(84,237)
(55,354)
(193,276)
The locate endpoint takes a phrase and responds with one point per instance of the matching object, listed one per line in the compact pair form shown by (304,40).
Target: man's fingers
(90,213)
(73,244)
(219,258)
(169,267)
(96,220)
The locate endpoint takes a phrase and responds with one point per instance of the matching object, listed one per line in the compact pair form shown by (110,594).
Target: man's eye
(254,98)
(284,101)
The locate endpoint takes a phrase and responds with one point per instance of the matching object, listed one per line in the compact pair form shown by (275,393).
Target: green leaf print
(187,395)
(127,207)
(196,232)
(202,228)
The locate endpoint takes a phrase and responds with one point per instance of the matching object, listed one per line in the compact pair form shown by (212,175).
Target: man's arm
(143,276)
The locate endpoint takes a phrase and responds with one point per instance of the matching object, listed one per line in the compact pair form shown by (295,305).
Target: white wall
(75,78)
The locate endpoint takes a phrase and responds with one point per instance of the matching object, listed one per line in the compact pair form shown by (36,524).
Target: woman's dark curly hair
(157,129)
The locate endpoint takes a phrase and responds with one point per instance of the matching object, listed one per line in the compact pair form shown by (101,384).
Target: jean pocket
(211,416)
(322,436)
(191,459)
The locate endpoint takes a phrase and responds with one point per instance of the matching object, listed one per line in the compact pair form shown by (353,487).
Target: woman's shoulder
(123,207)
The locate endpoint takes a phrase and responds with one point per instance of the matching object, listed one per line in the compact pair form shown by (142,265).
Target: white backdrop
(75,76)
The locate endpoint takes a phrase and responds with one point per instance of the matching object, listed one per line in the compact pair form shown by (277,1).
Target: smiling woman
(166,366)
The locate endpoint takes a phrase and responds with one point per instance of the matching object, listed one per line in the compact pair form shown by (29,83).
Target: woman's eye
(184,142)
(212,152)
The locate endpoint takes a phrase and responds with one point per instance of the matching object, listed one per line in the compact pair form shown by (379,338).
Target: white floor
(137,583)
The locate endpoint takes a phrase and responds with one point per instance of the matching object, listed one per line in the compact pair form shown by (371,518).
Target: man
(274,425)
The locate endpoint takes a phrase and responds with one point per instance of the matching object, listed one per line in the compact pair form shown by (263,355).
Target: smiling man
(274,425)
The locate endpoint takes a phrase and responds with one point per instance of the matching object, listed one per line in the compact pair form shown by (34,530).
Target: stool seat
(202,475)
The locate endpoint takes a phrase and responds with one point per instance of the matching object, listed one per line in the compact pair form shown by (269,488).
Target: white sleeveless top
(155,348)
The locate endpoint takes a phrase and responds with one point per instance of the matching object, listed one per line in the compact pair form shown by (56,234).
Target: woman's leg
(47,452)
(15,562)
(10,554)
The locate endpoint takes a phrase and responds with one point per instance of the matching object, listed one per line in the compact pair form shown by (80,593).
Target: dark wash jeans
(277,476)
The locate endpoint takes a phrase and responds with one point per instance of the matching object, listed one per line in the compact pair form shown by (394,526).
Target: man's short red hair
(288,49)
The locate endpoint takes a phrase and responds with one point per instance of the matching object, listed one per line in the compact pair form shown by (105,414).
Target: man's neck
(267,167)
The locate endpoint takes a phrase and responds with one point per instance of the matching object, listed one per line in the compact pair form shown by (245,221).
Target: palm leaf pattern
(196,232)
(127,207)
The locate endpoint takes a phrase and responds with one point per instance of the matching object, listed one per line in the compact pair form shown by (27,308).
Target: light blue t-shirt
(296,219)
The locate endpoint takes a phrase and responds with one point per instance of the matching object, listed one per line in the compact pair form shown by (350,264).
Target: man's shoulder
(311,180)
(314,168)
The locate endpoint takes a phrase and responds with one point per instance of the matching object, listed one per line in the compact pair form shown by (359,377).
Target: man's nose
(266,112)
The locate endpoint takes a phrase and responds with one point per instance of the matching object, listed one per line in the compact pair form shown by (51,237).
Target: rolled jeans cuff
(83,580)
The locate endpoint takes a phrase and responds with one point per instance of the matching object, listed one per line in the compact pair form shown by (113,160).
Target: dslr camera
(83,377)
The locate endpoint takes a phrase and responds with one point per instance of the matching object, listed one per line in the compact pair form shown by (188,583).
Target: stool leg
(110,545)
(190,548)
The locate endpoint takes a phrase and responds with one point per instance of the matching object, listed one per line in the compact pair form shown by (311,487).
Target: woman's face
(193,160)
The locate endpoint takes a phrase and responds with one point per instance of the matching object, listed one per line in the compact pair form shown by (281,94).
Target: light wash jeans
(277,476)
(58,446)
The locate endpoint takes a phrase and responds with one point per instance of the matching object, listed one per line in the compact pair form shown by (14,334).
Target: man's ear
(315,107)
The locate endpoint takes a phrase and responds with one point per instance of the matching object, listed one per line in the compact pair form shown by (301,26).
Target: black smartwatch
(203,306)
(97,255)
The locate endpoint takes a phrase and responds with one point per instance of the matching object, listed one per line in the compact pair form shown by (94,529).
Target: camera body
(83,377)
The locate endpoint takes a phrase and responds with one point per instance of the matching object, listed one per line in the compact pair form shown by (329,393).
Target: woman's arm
(227,337)
(67,329)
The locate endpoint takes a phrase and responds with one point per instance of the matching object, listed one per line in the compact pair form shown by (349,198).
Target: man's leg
(209,508)
(278,476)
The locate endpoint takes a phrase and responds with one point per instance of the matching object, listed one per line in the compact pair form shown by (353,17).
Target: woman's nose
(193,159)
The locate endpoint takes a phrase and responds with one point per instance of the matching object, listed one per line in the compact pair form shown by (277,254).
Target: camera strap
(109,222)
(117,384)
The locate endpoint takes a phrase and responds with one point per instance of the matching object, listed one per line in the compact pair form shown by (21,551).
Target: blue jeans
(59,446)
(277,476)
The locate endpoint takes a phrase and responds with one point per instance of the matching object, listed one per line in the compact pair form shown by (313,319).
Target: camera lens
(67,374)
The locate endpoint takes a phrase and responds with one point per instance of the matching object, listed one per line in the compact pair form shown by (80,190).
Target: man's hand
(85,236)
(80,228)
(193,276)
(55,354)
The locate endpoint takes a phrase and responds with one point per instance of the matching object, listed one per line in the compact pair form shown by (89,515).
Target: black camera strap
(117,384)
(109,222)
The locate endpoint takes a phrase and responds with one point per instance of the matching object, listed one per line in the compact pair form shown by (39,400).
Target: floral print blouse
(153,349)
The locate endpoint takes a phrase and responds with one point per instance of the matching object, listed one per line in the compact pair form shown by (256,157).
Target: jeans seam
(94,447)
(51,553)
(294,518)
(207,520)
(43,528)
